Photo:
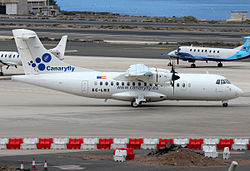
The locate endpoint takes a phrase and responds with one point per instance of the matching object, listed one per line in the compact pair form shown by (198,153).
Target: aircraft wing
(138,70)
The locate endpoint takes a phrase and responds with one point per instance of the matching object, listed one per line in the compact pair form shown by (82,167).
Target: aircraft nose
(238,92)
(171,53)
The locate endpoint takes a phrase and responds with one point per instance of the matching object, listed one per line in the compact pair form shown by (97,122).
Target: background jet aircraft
(13,58)
(192,53)
(139,84)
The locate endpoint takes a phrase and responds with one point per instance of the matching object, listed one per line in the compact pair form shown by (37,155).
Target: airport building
(24,7)
(239,16)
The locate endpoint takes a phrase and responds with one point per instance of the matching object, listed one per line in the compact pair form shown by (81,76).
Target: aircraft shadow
(144,106)
(215,67)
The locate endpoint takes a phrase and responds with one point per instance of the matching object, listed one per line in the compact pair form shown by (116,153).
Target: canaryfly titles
(64,69)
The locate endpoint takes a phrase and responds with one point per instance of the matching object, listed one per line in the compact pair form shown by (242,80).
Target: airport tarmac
(27,110)
(76,161)
(55,21)
(131,35)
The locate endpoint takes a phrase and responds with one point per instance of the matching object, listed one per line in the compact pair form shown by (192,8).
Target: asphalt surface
(27,110)
(73,161)
(104,49)
(107,49)
(132,35)
(108,23)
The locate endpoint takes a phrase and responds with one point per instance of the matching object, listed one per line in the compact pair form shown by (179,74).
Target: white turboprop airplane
(139,84)
(13,59)
(219,55)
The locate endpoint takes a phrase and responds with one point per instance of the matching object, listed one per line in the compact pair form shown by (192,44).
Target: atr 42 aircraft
(192,53)
(139,84)
(13,58)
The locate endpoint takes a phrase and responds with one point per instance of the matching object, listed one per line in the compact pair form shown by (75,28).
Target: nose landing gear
(225,103)
(1,71)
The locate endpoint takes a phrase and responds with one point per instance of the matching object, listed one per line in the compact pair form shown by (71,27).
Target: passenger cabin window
(145,84)
(202,50)
(133,83)
(128,83)
(190,50)
(210,51)
(214,51)
(112,83)
(194,50)
(122,83)
(139,83)
(106,83)
(101,83)
(205,50)
(218,51)
(117,83)
(178,84)
(198,50)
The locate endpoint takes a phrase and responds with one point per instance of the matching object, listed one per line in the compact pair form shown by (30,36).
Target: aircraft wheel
(1,73)
(225,104)
(134,104)
(220,64)
(193,66)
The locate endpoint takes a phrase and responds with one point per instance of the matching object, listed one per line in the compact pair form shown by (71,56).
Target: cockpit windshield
(223,81)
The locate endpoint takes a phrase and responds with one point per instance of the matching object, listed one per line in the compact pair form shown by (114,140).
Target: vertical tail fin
(59,50)
(35,58)
(246,46)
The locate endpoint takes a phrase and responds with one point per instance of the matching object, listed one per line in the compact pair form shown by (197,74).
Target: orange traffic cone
(22,167)
(45,165)
(33,163)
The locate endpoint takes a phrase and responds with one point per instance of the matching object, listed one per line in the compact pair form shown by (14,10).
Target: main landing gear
(193,65)
(135,104)
(220,64)
(138,101)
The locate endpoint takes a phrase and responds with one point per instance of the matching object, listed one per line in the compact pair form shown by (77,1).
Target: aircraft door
(84,87)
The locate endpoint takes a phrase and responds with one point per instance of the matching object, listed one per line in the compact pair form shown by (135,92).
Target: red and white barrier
(206,144)
(240,144)
(59,143)
(119,143)
(90,143)
(29,143)
(3,142)
(150,143)
(181,141)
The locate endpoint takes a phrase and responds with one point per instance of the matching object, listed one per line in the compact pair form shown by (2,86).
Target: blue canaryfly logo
(43,64)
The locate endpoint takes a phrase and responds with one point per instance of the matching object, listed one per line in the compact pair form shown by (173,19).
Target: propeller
(174,76)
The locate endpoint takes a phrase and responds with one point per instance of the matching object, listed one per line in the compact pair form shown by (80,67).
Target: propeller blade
(175,77)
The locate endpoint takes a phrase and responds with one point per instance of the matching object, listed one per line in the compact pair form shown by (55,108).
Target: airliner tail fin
(36,59)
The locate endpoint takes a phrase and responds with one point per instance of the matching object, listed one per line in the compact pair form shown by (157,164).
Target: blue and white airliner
(219,55)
